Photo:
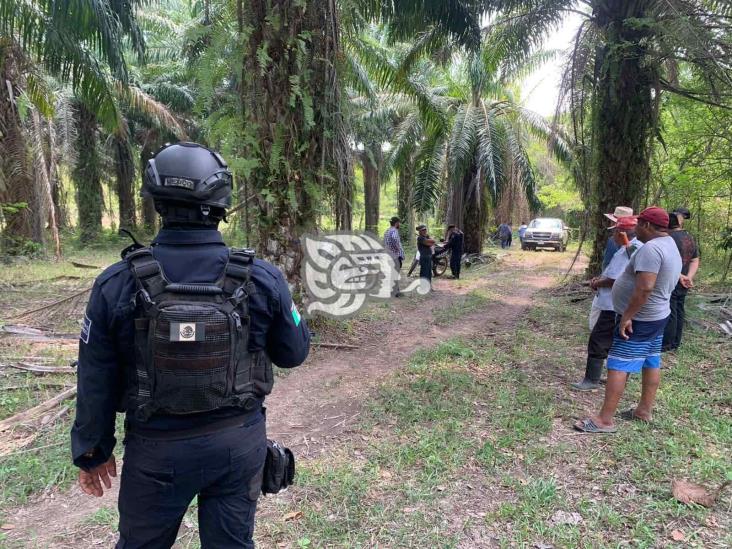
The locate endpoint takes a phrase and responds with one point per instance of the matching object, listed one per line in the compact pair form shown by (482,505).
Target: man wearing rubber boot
(181,337)
(601,337)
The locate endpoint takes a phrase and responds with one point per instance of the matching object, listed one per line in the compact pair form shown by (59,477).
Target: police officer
(193,390)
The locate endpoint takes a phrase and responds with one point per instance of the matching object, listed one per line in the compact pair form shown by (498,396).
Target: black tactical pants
(425,266)
(455,257)
(675,328)
(160,478)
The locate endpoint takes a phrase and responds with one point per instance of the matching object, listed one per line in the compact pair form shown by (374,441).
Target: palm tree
(80,43)
(291,99)
(469,139)
(626,54)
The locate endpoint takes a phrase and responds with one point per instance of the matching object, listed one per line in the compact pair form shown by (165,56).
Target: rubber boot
(592,375)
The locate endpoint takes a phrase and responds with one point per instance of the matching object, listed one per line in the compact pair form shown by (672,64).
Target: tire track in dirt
(314,405)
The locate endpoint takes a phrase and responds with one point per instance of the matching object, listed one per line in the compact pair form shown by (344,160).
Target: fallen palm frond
(34,413)
(38,369)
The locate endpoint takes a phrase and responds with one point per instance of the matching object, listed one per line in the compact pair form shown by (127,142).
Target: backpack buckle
(147,303)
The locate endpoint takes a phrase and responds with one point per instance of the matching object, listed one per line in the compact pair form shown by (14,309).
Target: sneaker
(586,385)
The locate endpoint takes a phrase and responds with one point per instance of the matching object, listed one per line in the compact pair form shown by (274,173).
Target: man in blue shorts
(641,301)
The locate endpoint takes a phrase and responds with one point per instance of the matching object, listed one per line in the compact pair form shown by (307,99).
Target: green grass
(470,303)
(470,444)
(496,414)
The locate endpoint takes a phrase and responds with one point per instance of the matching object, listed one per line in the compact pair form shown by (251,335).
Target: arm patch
(85,329)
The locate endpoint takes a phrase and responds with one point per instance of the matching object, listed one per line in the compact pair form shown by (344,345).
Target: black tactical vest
(191,341)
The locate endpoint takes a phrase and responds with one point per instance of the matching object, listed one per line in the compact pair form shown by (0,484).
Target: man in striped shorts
(641,301)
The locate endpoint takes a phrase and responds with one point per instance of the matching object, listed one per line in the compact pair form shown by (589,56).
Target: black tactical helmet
(188,173)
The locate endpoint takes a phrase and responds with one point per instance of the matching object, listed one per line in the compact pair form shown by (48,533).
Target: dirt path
(315,404)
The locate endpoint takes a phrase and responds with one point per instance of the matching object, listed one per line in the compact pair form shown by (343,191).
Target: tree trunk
(467,209)
(474,216)
(16,182)
(86,175)
(149,215)
(405,212)
(624,116)
(344,201)
(291,98)
(371,161)
(124,166)
(43,170)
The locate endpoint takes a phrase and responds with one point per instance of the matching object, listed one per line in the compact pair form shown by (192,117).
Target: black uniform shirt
(424,249)
(107,340)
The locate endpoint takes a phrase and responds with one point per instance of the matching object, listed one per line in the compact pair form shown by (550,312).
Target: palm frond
(522,168)
(538,126)
(430,168)
(405,141)
(459,19)
(462,139)
(140,101)
(490,146)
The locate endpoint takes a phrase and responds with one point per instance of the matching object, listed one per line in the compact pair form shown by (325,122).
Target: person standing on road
(522,231)
(641,300)
(690,265)
(181,337)
(601,336)
(393,246)
(504,234)
(455,239)
(424,247)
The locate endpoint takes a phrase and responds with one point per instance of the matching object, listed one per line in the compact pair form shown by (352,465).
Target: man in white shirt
(601,337)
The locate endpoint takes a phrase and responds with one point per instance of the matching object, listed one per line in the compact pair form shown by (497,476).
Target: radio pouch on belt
(279,468)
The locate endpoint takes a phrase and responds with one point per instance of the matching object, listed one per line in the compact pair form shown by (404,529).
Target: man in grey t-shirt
(641,299)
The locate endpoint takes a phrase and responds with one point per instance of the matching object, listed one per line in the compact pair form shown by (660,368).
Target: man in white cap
(610,250)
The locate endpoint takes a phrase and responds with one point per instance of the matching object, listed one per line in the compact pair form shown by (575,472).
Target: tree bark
(474,216)
(86,176)
(291,100)
(371,161)
(44,168)
(405,211)
(124,165)
(467,210)
(16,182)
(624,116)
(149,215)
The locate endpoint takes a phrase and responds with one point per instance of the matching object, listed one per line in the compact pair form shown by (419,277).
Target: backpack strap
(237,278)
(148,274)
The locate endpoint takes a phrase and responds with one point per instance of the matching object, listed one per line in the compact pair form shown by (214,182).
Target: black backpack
(191,341)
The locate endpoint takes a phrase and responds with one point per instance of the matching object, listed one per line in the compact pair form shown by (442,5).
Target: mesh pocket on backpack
(208,351)
(192,392)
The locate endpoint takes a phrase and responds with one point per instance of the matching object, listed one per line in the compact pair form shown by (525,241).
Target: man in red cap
(601,336)
(641,301)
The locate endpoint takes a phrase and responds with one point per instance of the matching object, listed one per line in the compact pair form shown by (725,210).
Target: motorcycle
(440,261)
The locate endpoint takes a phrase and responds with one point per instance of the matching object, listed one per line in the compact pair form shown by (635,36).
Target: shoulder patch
(295,314)
(86,328)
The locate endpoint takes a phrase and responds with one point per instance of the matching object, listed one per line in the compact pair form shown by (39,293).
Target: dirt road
(317,403)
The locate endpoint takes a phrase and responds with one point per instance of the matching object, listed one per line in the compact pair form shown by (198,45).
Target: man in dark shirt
(424,247)
(690,265)
(218,454)
(454,243)
(504,234)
